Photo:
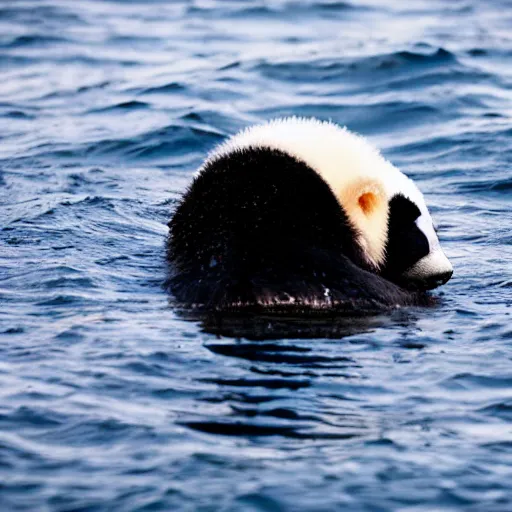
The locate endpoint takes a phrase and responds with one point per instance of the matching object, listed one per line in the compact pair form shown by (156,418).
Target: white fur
(435,262)
(339,156)
(342,159)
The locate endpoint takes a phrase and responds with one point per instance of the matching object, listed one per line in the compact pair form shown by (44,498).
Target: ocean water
(111,400)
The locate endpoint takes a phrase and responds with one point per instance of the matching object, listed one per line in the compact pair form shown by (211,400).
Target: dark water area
(110,399)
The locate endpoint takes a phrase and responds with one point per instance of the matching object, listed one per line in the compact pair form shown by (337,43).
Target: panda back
(258,228)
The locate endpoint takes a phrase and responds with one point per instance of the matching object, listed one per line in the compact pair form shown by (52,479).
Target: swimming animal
(298,215)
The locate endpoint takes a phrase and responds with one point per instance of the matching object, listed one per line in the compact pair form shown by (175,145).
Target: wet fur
(260,230)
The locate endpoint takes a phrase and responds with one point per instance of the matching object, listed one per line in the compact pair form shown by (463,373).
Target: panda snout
(438,279)
(425,282)
(430,272)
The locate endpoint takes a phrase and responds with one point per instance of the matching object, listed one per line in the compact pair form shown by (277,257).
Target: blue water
(110,400)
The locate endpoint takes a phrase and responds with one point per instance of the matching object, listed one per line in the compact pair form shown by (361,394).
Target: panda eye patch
(403,209)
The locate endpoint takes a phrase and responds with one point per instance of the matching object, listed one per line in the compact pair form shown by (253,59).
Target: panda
(299,215)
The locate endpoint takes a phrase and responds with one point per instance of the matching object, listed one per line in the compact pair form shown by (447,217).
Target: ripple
(35,40)
(124,106)
(110,398)
(165,89)
(161,143)
(265,383)
(494,185)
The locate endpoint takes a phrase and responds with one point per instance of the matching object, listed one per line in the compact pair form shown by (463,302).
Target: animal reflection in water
(260,327)
(258,399)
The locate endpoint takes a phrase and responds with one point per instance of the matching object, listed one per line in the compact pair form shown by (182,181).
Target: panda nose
(439,279)
(430,272)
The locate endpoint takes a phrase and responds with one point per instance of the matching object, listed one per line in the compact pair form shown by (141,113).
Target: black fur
(257,227)
(406,243)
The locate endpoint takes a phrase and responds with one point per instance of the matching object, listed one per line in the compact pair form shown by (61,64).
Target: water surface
(110,400)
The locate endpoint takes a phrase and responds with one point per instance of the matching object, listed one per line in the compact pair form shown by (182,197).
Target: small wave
(474,381)
(493,185)
(18,114)
(240,428)
(354,69)
(263,383)
(35,40)
(276,354)
(157,144)
(170,87)
(124,106)
(501,410)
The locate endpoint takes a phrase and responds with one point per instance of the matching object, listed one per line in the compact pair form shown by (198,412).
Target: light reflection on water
(112,400)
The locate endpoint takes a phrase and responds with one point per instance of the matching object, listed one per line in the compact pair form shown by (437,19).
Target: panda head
(394,229)
(414,257)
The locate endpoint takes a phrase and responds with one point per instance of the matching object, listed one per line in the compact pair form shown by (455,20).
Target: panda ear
(364,199)
(366,203)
